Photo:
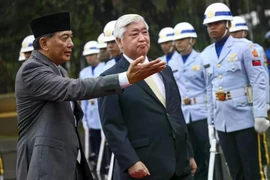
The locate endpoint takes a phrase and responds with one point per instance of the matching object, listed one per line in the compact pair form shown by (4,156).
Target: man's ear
(193,41)
(119,42)
(43,42)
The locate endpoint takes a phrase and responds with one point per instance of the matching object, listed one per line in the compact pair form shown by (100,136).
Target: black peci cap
(50,24)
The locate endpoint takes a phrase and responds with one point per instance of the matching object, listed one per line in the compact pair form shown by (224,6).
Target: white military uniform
(90,107)
(189,77)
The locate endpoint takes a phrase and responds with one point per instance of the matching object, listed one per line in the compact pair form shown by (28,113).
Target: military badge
(92,101)
(195,68)
(108,33)
(232,57)
(177,32)
(255,53)
(210,14)
(256,63)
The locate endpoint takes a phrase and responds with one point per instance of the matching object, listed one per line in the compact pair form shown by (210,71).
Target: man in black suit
(144,126)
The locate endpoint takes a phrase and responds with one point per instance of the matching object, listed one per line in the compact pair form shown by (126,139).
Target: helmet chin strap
(172,46)
(243,34)
(226,31)
(189,46)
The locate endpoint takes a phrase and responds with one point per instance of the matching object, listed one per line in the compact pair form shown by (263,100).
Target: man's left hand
(193,165)
(261,125)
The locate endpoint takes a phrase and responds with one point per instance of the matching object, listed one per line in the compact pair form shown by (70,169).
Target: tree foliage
(88,18)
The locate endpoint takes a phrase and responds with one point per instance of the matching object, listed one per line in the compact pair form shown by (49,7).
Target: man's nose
(141,37)
(70,43)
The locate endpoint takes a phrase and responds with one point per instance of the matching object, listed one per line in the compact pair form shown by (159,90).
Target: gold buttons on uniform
(243,102)
(219,76)
(220,88)
(218,65)
(233,68)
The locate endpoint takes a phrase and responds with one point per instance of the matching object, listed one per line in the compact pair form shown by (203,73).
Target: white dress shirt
(157,77)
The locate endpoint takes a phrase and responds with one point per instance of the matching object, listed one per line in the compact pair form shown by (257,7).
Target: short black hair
(36,44)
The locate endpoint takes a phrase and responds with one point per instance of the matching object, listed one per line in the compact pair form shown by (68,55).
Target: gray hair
(124,21)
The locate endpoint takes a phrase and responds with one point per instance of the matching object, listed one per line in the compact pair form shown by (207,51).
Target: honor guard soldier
(236,91)
(267,48)
(112,47)
(27,48)
(165,39)
(239,29)
(103,55)
(188,71)
(91,118)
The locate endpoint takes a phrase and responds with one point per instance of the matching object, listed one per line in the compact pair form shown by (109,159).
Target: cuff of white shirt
(123,80)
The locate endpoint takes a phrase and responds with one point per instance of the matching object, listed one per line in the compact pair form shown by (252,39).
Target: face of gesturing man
(58,48)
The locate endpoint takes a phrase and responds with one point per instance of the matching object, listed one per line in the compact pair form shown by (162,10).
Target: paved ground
(8,147)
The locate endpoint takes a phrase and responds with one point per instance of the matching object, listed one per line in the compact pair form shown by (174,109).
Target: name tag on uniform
(206,66)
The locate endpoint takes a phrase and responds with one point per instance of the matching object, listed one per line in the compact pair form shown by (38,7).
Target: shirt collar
(131,60)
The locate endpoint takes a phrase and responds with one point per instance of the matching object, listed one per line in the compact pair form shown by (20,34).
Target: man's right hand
(138,170)
(138,71)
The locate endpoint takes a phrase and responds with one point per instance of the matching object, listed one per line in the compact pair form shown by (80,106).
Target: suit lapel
(78,113)
(148,90)
(166,85)
(45,60)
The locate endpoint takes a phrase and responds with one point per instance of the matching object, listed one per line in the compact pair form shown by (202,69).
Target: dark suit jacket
(139,128)
(48,142)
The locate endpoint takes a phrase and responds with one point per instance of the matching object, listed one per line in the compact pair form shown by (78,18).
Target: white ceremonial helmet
(90,47)
(217,12)
(166,34)
(238,23)
(108,31)
(184,30)
(27,44)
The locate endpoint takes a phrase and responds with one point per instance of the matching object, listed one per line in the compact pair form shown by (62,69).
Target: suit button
(219,76)
(168,114)
(233,68)
(218,65)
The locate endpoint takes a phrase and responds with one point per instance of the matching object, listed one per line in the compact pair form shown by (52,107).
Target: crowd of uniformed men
(224,89)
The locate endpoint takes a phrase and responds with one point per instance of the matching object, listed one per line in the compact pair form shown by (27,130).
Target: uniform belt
(195,100)
(227,95)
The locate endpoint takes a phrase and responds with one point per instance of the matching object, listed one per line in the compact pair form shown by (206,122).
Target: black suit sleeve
(115,130)
(189,146)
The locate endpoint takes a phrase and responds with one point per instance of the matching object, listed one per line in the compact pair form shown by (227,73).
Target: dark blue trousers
(243,154)
(198,133)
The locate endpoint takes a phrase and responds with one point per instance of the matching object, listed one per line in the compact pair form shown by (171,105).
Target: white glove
(268,107)
(211,132)
(261,125)
(85,126)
